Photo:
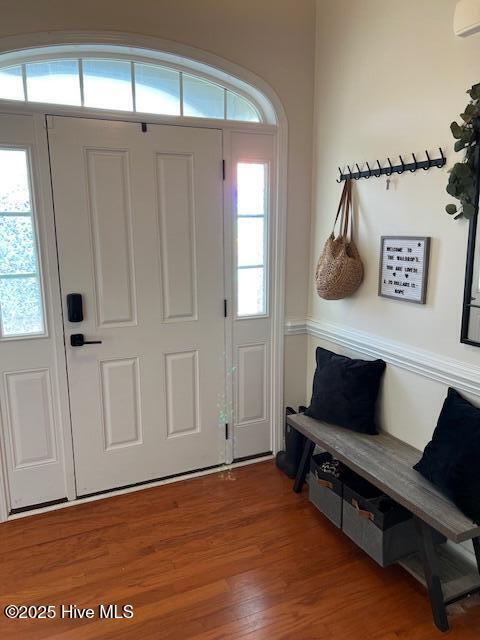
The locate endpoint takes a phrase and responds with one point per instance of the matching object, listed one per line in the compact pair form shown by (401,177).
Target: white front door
(140,238)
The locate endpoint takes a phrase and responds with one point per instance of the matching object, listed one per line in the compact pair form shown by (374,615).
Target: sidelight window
(251,210)
(21,303)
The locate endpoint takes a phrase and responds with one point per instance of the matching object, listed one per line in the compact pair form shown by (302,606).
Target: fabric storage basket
(325,490)
(376,523)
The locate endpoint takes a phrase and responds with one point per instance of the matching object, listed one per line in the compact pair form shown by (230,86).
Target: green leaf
(462,176)
(475,92)
(470,191)
(453,190)
(461,170)
(456,130)
(469,113)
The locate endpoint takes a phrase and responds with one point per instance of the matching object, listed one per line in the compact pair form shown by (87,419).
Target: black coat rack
(378,171)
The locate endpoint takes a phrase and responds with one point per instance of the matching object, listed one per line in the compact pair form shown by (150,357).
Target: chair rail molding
(454,373)
(466,20)
(296,327)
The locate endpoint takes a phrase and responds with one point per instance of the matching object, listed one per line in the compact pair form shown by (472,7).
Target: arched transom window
(125,79)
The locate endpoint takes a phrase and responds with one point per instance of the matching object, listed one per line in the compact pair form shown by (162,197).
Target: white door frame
(279,214)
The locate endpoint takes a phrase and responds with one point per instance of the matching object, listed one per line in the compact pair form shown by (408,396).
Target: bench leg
(430,567)
(304,465)
(476,547)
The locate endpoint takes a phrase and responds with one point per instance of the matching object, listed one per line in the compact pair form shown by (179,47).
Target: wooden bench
(387,463)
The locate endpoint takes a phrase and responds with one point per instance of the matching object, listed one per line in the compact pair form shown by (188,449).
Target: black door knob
(78,340)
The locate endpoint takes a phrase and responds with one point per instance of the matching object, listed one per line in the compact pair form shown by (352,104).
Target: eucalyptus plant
(462,180)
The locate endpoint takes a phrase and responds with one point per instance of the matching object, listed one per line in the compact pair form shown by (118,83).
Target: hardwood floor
(230,555)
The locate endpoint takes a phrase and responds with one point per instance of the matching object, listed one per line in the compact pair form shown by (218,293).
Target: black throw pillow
(451,461)
(345,391)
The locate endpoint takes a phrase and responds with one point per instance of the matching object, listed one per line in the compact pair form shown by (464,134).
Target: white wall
(273,38)
(390,77)
(295,370)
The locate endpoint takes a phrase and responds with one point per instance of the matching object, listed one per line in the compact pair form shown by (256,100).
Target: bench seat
(387,463)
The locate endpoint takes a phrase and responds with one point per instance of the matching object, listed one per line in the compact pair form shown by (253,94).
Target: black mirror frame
(472,237)
(467,294)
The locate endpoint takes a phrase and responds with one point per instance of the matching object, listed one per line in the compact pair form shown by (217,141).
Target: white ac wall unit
(467,18)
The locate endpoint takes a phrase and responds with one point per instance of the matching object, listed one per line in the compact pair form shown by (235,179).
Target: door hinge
(225,308)
(226,431)
(223,169)
(49,122)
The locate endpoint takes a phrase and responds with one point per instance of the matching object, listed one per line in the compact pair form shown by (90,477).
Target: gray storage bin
(379,526)
(325,491)
(385,546)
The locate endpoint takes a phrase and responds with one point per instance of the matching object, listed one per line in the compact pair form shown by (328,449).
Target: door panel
(177,232)
(139,225)
(122,415)
(252,369)
(29,402)
(183,415)
(111,223)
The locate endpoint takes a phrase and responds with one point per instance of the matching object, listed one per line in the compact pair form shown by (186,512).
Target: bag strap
(347,217)
(341,205)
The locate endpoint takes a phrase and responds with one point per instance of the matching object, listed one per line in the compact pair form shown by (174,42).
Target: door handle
(78,340)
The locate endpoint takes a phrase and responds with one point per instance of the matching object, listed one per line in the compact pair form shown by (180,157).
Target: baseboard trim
(454,373)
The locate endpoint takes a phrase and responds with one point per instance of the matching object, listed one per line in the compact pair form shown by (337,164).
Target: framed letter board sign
(404,268)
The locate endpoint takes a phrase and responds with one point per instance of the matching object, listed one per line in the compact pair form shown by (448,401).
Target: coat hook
(429,162)
(359,172)
(403,166)
(340,172)
(443,158)
(415,166)
(350,172)
(379,170)
(369,172)
(389,173)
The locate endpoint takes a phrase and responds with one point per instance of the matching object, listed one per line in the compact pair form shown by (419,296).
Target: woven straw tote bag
(340,269)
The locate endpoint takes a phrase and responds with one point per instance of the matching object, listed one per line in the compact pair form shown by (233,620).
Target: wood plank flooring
(230,555)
